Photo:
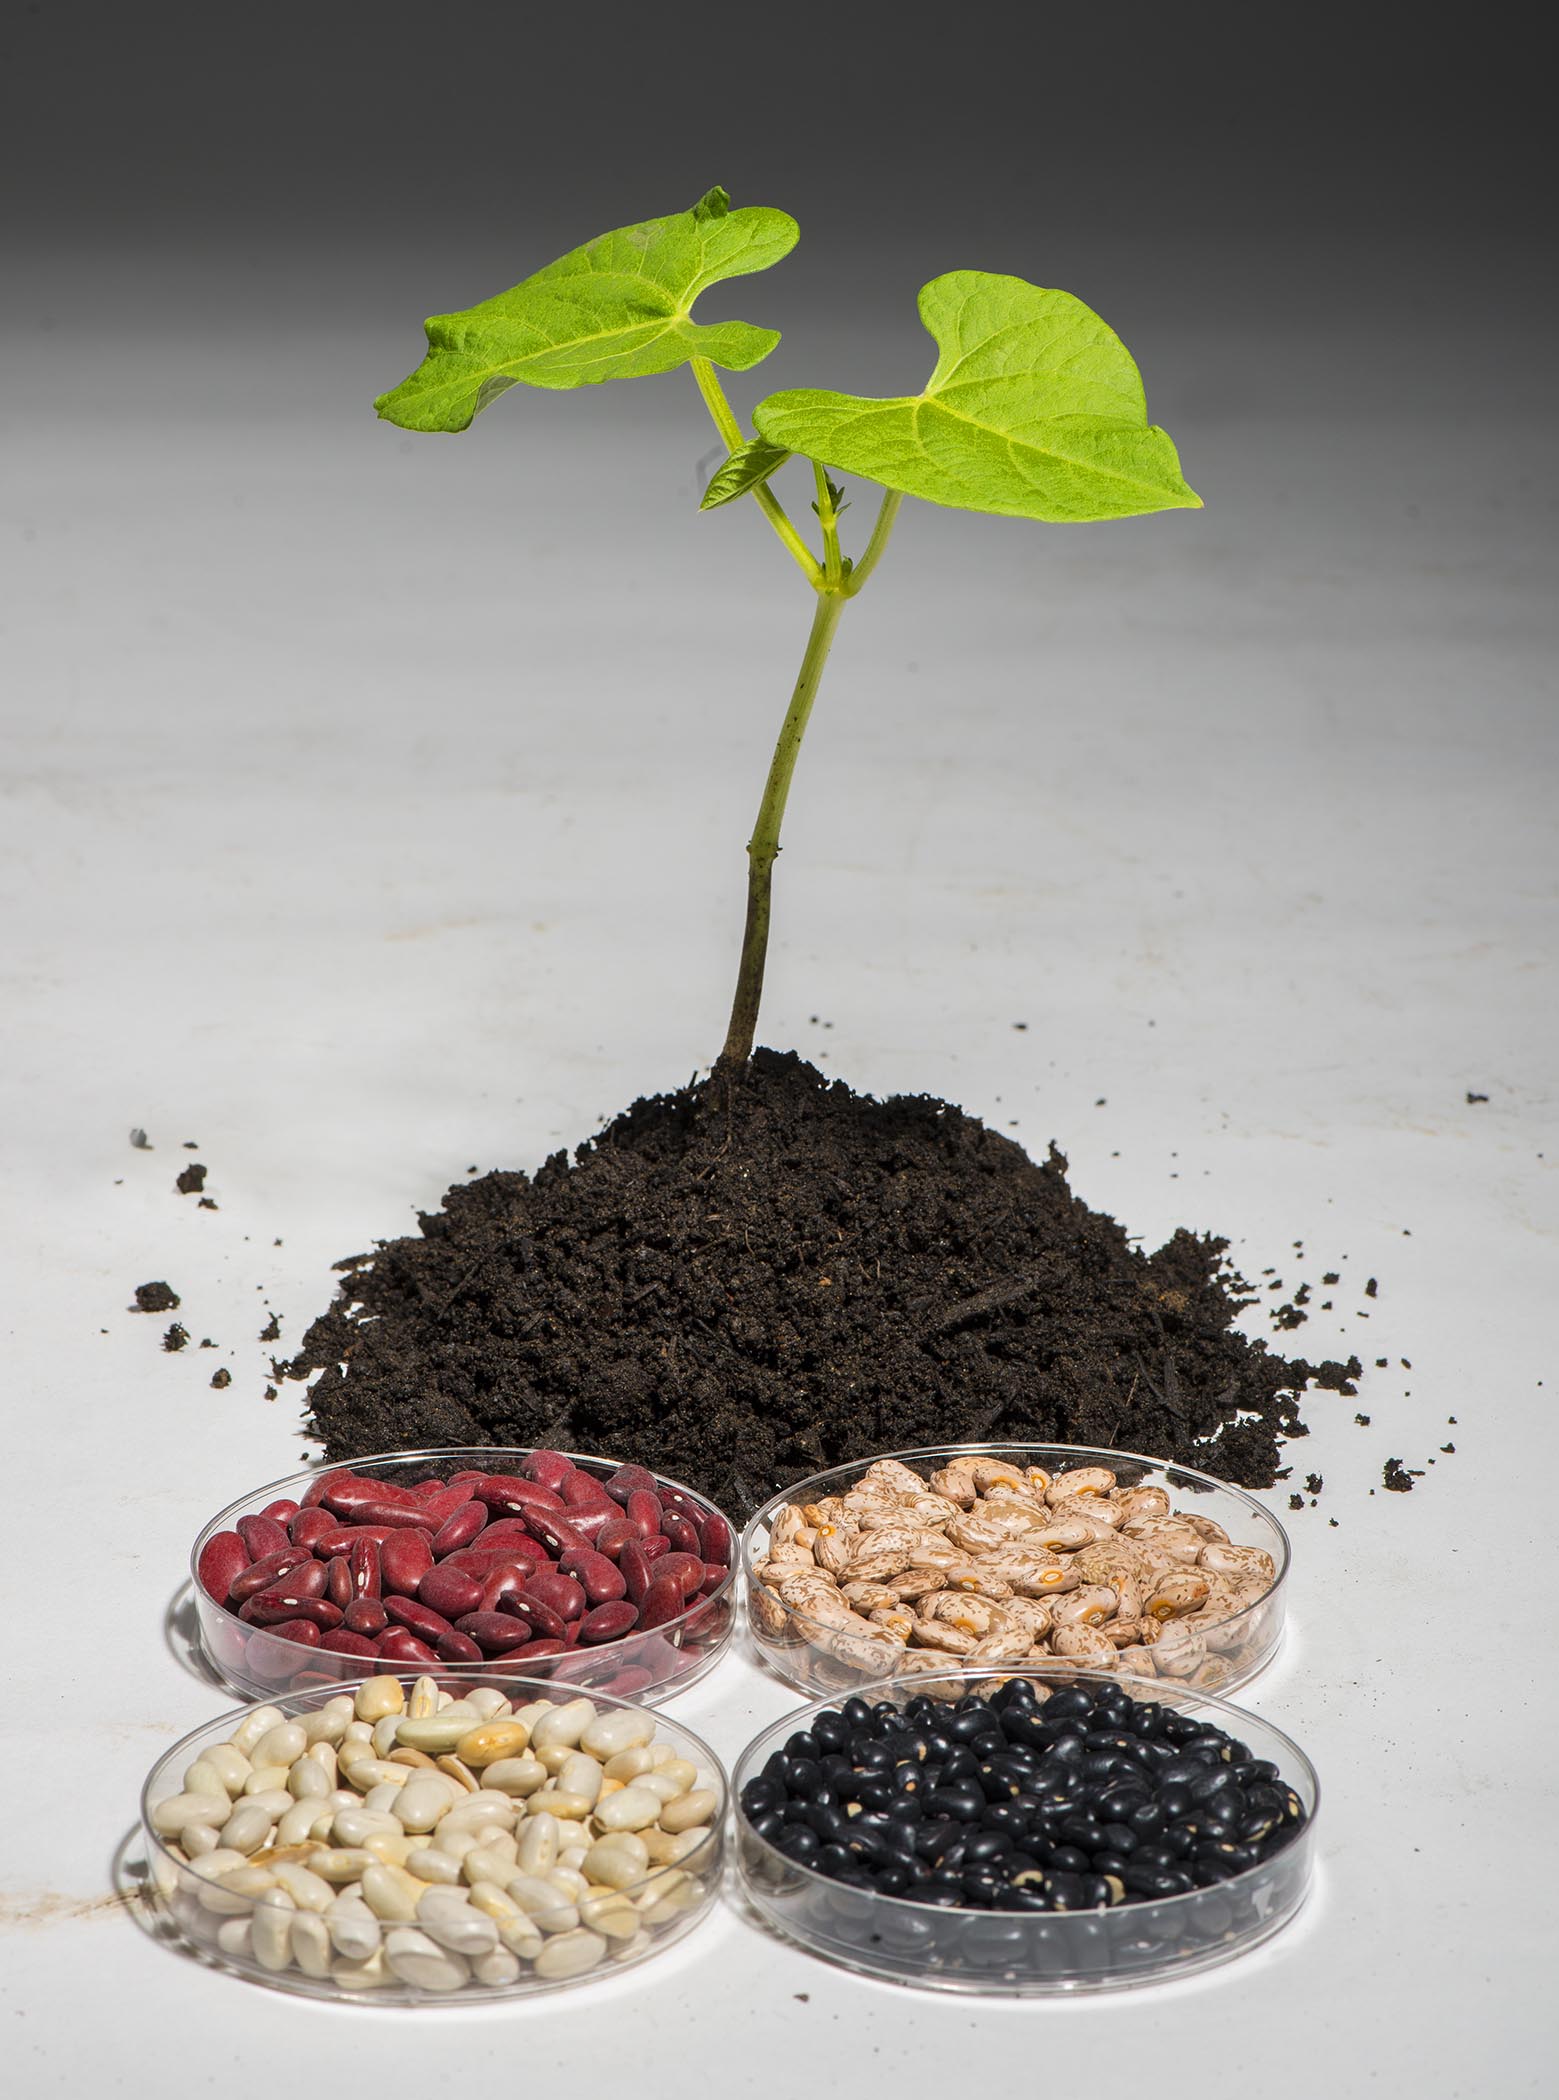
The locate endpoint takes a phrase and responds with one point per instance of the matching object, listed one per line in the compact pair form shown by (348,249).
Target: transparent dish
(1024,1954)
(649,1666)
(816,1657)
(635,1922)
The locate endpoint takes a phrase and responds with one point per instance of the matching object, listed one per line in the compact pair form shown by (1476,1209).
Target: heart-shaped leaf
(747,466)
(618,308)
(1035,410)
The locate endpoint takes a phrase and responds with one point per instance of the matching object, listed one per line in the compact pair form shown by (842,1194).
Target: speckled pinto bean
(480,1565)
(1128,1583)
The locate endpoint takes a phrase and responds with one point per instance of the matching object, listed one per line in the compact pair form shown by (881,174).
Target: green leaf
(1035,410)
(752,463)
(618,308)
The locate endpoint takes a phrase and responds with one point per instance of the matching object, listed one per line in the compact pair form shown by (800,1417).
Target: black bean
(1120,1837)
(1065,1891)
(833,1859)
(761,1794)
(802,1774)
(1070,1701)
(965,1803)
(799,1843)
(769,1824)
(830,1731)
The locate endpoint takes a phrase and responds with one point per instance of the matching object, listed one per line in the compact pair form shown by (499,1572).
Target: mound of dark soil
(738,1284)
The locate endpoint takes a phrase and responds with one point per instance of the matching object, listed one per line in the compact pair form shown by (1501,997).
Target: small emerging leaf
(1035,410)
(744,470)
(618,308)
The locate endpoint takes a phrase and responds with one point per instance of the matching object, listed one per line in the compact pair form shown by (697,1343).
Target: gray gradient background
(371,806)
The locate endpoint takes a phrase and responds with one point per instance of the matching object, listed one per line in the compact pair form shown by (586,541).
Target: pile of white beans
(418,1842)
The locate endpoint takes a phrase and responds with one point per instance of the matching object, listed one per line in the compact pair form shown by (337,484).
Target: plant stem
(763,846)
(828,518)
(731,432)
(881,533)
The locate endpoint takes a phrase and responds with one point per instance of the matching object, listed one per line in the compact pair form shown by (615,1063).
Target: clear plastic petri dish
(255,1934)
(1030,1954)
(1213,1654)
(650,1665)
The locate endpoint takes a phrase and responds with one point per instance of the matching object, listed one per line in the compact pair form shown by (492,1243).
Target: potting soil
(746,1281)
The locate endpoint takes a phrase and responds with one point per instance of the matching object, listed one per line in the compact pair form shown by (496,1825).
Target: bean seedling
(1034,410)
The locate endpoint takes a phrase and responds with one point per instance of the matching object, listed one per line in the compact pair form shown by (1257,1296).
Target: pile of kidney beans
(1085,1799)
(473,1568)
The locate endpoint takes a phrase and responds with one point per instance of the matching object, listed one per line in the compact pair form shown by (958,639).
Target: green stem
(828,518)
(881,533)
(731,431)
(763,846)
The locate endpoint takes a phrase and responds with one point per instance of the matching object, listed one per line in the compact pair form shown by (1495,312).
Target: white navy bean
(416,1959)
(272,1926)
(311,1945)
(354,1930)
(570,1954)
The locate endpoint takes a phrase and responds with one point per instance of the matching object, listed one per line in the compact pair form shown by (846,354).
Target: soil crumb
(177,1337)
(221,1378)
(155,1297)
(1397,1477)
(191,1180)
(739,1284)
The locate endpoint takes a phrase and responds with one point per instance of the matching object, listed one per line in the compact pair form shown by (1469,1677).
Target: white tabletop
(374,809)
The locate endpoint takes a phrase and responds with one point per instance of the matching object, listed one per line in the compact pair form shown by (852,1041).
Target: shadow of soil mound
(739,1285)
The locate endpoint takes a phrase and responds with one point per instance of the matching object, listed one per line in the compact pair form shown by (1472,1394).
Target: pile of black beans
(1018,1801)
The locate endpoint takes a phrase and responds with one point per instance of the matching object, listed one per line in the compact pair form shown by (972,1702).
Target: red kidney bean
(715,1572)
(449,1590)
(309,1526)
(458,1648)
(686,1569)
(303,1631)
(652,1549)
(584,1491)
(525,1604)
(608,1622)
(551,1468)
(664,1599)
(270,1607)
(714,1537)
(561,1592)
(494,1632)
(343,1491)
(684,1505)
(556,1534)
(424,1490)
(571,1633)
(613,1535)
(264,1572)
(280,1512)
(513,1496)
(310,1578)
(399,1646)
(421,1619)
(626,1682)
(506,1580)
(262,1535)
(601,1581)
(681,1531)
(344,1537)
(338,1580)
(340,1642)
(367,1616)
(404,1558)
(505,1532)
(535,1648)
(222,1560)
(634,1566)
(314,1494)
(396,1516)
(459,1528)
(363,1567)
(645,1512)
(629,1480)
